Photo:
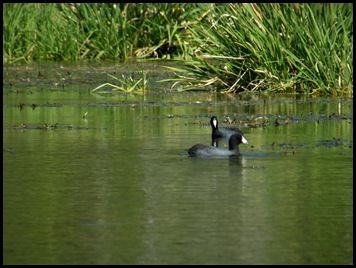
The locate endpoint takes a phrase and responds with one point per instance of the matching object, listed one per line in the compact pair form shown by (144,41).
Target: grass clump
(28,31)
(272,47)
(124,84)
(223,47)
(95,31)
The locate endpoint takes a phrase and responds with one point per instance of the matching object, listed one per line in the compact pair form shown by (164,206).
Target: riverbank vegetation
(305,48)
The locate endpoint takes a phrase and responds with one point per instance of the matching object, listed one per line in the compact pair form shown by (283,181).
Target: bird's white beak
(244,140)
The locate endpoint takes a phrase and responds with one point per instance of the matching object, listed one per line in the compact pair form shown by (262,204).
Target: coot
(207,150)
(225,133)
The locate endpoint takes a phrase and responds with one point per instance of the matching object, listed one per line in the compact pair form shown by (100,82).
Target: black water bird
(225,133)
(206,150)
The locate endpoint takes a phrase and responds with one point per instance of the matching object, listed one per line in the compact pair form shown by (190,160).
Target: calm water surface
(117,187)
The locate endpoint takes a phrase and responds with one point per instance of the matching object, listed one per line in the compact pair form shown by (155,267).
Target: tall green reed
(20,30)
(272,47)
(75,31)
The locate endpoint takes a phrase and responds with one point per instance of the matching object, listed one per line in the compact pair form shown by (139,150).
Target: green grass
(272,47)
(95,31)
(301,48)
(124,84)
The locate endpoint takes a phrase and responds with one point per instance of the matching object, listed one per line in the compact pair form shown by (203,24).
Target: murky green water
(117,186)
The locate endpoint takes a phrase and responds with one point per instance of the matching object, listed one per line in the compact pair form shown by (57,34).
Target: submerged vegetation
(305,48)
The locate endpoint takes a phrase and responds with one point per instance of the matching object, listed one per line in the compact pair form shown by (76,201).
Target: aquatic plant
(272,47)
(76,31)
(24,25)
(125,84)
(305,48)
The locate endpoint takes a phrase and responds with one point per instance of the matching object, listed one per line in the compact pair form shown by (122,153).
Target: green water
(117,186)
